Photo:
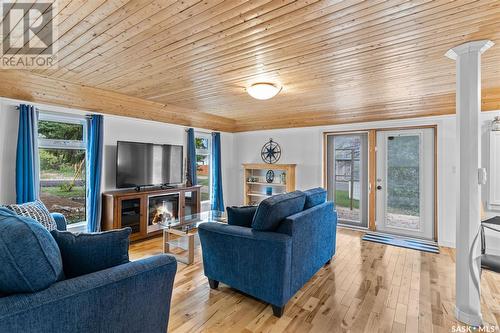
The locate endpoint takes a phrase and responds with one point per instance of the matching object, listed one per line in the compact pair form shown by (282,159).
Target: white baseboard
(446,244)
(494,251)
(467,318)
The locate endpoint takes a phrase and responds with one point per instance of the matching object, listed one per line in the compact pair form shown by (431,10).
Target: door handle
(379,187)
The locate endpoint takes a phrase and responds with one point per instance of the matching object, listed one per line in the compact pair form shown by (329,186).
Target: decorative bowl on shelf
(270,176)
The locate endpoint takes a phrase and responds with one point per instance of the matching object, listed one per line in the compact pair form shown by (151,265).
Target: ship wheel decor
(270,152)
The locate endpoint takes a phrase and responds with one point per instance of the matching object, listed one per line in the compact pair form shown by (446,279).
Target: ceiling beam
(34,88)
(437,105)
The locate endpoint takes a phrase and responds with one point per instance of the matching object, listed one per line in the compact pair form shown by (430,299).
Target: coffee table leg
(190,258)
(166,246)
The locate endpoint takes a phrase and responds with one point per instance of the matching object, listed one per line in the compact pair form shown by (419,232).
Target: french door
(405,182)
(347,177)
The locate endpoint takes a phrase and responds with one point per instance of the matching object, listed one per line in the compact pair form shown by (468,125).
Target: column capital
(476,46)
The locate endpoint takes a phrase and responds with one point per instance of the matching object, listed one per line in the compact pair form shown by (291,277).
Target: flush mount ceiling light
(263,90)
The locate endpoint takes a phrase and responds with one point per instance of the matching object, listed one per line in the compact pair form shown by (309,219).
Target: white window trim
(77,227)
(206,152)
(66,144)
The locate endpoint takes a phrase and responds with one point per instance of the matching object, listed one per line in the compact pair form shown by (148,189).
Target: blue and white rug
(414,244)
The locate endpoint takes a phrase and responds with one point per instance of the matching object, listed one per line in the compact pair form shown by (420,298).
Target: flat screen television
(148,164)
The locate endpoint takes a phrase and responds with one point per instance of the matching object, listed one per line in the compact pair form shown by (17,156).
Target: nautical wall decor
(270,152)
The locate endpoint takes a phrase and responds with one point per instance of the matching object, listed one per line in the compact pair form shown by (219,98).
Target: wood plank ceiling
(338,61)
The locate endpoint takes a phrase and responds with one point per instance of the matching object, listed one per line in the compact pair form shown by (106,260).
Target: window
(203,148)
(62,151)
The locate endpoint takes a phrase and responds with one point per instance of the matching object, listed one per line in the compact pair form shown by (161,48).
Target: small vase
(283,178)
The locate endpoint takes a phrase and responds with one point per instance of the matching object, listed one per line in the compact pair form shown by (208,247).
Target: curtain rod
(187,129)
(59,113)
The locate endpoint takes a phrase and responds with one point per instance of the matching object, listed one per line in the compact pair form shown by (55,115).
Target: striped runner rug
(409,243)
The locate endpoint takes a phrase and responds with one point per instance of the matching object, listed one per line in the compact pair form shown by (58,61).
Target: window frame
(60,143)
(205,152)
(66,144)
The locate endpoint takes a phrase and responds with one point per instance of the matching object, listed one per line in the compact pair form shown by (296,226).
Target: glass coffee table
(183,230)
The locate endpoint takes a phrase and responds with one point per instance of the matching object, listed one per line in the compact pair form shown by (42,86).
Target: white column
(468,255)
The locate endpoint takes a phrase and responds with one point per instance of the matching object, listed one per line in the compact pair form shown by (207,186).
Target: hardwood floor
(368,287)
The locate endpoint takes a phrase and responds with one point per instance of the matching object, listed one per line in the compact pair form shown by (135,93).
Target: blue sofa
(290,238)
(132,297)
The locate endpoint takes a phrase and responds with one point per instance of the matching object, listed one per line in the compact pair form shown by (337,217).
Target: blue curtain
(217,197)
(27,160)
(94,171)
(191,159)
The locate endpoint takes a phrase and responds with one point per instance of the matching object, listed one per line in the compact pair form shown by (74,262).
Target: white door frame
(426,228)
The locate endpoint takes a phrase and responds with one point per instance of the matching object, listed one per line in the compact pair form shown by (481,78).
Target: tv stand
(135,208)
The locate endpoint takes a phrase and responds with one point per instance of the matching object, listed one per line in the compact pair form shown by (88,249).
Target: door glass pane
(403,182)
(202,144)
(203,175)
(347,154)
(348,177)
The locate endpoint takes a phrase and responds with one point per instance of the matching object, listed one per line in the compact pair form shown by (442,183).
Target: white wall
(128,129)
(115,129)
(304,146)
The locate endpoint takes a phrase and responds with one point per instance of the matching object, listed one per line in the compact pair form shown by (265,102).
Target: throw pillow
(314,197)
(84,253)
(273,210)
(241,216)
(29,256)
(37,211)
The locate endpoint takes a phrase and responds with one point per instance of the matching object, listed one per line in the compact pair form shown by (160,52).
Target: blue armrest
(60,221)
(313,233)
(255,262)
(133,297)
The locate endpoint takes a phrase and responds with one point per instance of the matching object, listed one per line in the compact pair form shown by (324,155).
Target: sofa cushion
(84,253)
(29,256)
(5,211)
(273,210)
(314,197)
(241,216)
(37,211)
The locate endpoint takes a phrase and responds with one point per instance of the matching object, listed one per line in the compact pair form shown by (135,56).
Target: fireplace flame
(162,214)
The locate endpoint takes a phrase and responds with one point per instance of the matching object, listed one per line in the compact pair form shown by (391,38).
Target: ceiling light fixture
(263,90)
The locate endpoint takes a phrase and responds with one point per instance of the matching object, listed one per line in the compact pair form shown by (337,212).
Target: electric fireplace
(163,208)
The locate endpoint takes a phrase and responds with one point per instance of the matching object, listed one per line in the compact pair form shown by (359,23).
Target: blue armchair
(60,221)
(132,297)
(282,249)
